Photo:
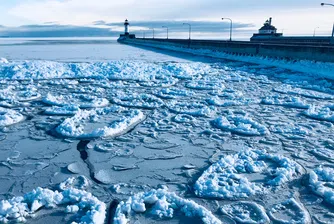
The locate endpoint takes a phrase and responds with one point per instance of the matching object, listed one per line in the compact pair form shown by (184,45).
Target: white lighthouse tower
(126,35)
(126,26)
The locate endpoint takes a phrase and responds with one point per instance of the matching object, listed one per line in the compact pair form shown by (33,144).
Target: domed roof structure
(267,27)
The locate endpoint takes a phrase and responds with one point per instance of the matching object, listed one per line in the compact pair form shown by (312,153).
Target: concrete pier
(294,51)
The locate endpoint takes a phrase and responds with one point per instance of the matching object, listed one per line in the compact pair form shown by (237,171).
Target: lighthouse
(126,27)
(126,35)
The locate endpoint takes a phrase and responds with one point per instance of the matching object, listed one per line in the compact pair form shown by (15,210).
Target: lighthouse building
(267,31)
(126,34)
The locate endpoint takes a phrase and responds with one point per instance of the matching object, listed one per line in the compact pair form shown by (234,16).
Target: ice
(288,89)
(239,124)
(183,118)
(290,211)
(191,108)
(320,113)
(228,177)
(290,130)
(323,153)
(294,102)
(21,208)
(3,60)
(145,101)
(162,204)
(9,117)
(246,212)
(205,85)
(216,101)
(80,100)
(317,69)
(116,70)
(14,96)
(172,93)
(65,110)
(74,127)
(322,181)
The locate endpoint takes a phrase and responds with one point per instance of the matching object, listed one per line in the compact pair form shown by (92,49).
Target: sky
(105,17)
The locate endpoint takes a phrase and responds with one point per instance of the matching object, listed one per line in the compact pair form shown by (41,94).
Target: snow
(246,212)
(239,124)
(227,178)
(288,89)
(74,128)
(162,204)
(216,101)
(287,101)
(320,113)
(120,127)
(193,109)
(65,110)
(316,69)
(172,93)
(321,179)
(116,70)
(9,117)
(205,85)
(21,208)
(80,100)
(145,101)
(290,211)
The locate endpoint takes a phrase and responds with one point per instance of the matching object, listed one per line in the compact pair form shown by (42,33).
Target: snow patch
(20,208)
(228,178)
(320,113)
(74,127)
(162,204)
(9,117)
(240,124)
(322,181)
(246,212)
(80,100)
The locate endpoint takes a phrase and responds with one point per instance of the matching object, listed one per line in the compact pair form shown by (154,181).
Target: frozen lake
(92,131)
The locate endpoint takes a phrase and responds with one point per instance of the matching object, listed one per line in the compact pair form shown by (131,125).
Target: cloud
(56,31)
(105,29)
(295,17)
(177,26)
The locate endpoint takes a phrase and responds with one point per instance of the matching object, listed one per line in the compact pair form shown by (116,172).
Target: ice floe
(162,204)
(217,101)
(240,124)
(288,89)
(290,131)
(74,127)
(115,70)
(9,117)
(65,110)
(14,96)
(191,108)
(321,182)
(246,212)
(231,176)
(290,211)
(183,118)
(172,93)
(20,208)
(320,113)
(205,85)
(80,100)
(3,60)
(294,102)
(145,101)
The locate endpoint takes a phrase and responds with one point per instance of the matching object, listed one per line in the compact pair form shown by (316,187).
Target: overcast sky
(296,17)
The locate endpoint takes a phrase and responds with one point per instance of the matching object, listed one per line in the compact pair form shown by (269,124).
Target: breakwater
(243,48)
